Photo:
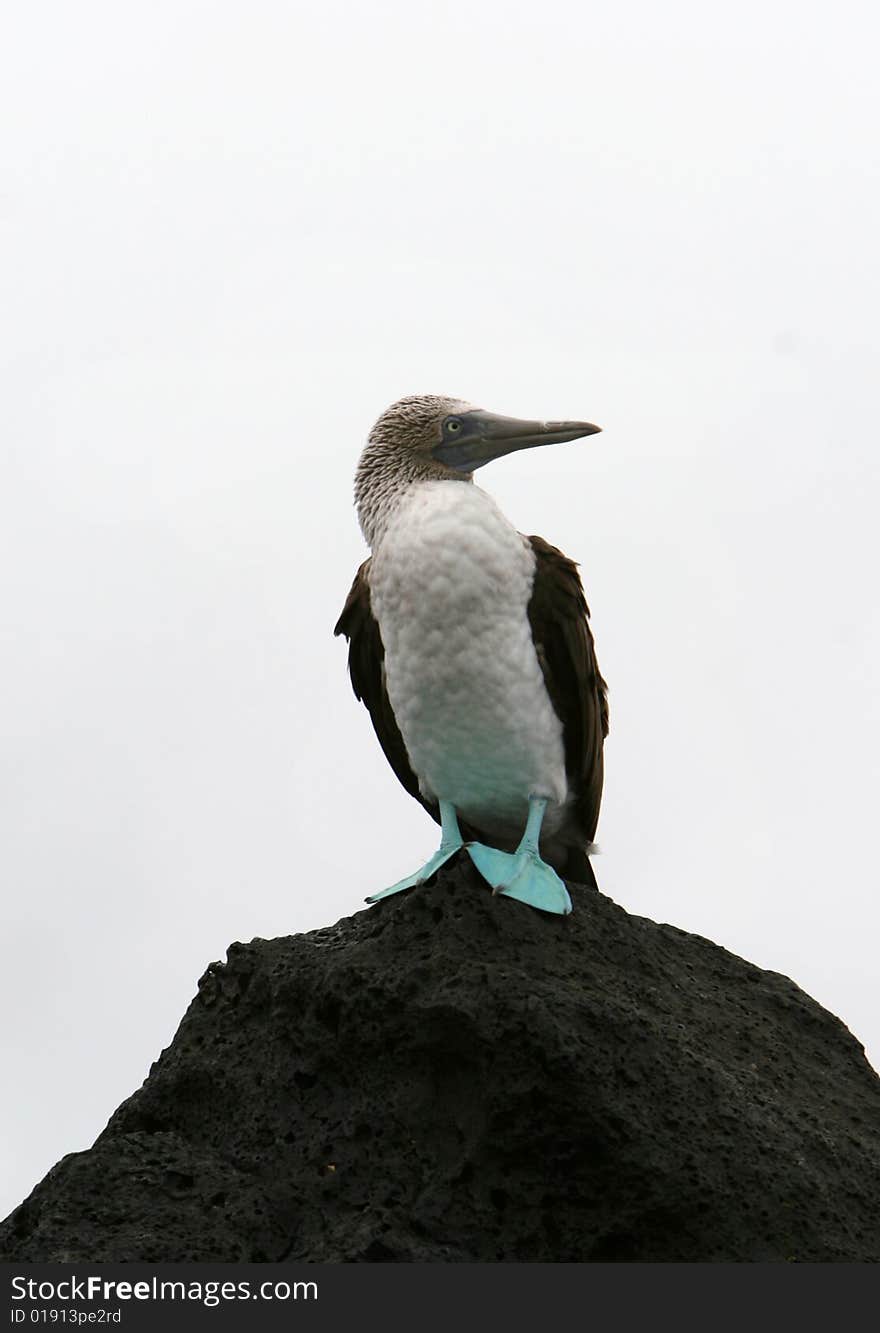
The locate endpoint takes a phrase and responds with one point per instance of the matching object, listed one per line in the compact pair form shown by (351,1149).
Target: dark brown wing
(560,621)
(366,666)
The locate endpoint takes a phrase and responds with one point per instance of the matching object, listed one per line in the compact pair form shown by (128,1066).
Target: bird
(470,646)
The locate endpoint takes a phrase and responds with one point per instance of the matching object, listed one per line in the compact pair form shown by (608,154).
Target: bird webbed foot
(522,875)
(450,843)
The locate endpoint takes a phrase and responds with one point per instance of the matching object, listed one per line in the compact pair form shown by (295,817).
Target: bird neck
(382,481)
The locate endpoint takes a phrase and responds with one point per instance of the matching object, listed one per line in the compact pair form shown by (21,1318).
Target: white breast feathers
(450,583)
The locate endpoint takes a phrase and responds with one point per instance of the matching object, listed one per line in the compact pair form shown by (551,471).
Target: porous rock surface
(450,1077)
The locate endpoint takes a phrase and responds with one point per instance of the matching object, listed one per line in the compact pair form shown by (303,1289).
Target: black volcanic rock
(452,1077)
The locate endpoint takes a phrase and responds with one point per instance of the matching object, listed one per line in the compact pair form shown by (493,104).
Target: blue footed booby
(471,648)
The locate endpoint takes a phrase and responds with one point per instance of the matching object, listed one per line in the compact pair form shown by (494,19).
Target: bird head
(429,438)
(450,436)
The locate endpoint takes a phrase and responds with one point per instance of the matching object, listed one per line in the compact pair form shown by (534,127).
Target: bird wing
(560,621)
(366,666)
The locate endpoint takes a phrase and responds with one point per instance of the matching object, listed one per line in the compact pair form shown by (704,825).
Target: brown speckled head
(415,423)
(398,453)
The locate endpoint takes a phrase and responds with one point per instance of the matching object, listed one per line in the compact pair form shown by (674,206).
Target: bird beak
(482,437)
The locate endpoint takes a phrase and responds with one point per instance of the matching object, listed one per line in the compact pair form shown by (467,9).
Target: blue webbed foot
(522,875)
(450,843)
(439,858)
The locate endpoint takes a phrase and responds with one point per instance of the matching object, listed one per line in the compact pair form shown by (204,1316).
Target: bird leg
(450,842)
(524,875)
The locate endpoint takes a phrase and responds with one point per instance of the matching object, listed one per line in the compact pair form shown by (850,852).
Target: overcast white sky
(231,234)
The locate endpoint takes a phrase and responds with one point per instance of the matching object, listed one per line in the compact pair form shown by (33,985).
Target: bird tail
(578,869)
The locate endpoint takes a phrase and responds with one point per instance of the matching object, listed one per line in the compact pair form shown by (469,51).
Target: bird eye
(453,427)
